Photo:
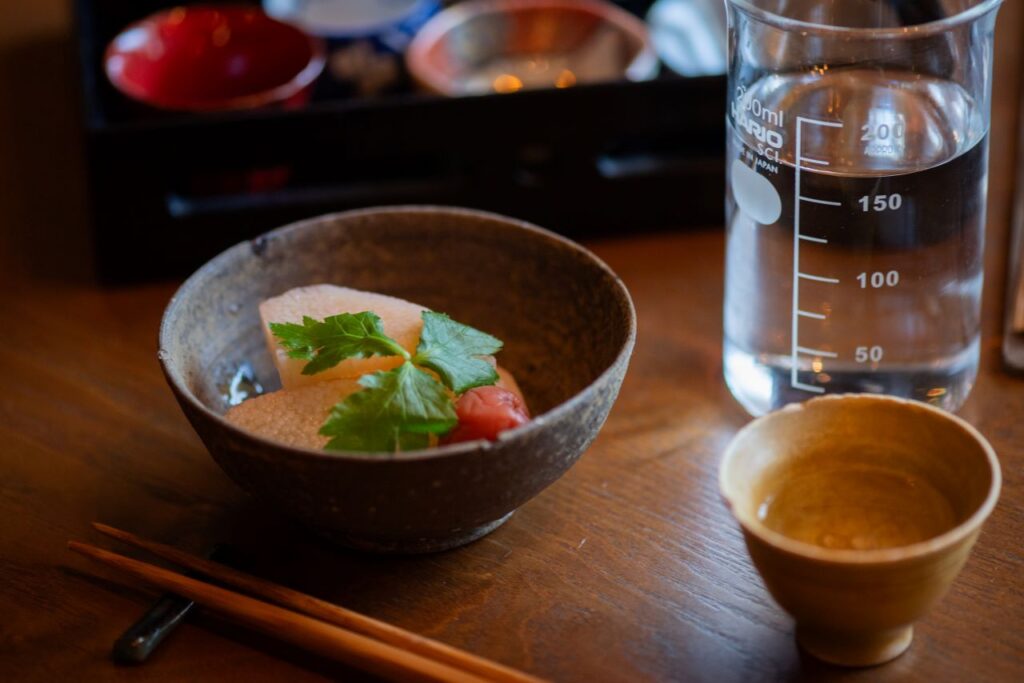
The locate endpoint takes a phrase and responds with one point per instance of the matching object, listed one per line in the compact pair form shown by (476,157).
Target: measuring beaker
(856,166)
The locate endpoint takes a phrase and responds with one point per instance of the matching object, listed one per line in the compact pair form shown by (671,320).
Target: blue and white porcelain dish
(366,38)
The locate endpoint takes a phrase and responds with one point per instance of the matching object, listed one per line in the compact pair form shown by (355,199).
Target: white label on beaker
(755,194)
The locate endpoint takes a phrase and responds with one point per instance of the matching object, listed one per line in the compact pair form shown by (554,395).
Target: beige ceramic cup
(879,501)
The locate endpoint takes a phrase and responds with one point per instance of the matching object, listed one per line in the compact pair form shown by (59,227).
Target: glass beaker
(856,166)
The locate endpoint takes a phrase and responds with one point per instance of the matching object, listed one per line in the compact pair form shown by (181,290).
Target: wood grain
(314,635)
(308,605)
(628,569)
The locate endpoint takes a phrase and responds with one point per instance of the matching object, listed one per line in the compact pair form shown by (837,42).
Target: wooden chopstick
(326,611)
(311,634)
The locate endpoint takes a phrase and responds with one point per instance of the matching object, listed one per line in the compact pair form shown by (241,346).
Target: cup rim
(754,526)
(966,16)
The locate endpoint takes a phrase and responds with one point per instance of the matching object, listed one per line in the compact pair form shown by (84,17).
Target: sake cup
(859,511)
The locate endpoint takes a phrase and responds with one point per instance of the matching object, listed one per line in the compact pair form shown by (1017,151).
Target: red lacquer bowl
(209,57)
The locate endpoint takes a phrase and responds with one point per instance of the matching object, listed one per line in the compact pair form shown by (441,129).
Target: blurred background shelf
(168,190)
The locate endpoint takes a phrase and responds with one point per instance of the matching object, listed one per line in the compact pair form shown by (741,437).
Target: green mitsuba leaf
(453,351)
(396,410)
(334,339)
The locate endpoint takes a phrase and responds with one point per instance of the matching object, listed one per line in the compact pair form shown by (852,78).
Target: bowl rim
(877,556)
(535,424)
(643,65)
(371,29)
(278,93)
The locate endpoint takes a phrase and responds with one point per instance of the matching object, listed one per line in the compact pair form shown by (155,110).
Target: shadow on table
(328,668)
(43,208)
(275,648)
(811,670)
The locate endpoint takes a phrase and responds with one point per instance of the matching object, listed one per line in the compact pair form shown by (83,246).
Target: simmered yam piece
(292,416)
(402,322)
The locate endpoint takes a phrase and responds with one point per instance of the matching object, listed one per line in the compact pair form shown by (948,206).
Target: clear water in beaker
(856,213)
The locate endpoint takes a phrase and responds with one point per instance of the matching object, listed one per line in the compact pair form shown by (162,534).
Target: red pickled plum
(485,412)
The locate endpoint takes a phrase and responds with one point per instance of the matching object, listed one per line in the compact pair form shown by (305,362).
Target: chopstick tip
(113,532)
(89,550)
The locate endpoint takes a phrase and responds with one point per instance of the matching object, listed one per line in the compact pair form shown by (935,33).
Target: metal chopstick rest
(142,638)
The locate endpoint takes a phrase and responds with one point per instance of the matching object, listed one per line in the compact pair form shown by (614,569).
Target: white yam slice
(402,322)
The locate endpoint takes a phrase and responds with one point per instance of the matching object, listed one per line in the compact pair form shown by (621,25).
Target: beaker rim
(967,16)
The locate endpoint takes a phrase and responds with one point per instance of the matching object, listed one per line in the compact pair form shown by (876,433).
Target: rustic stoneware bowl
(567,322)
(856,607)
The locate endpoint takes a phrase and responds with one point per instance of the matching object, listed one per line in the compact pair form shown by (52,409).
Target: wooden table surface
(628,569)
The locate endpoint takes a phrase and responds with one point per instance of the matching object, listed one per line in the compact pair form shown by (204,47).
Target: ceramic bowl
(567,322)
(487,46)
(365,38)
(213,57)
(884,499)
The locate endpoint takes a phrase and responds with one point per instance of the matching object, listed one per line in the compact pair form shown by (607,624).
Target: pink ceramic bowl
(211,57)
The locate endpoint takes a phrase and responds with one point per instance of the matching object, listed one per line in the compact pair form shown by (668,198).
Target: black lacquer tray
(169,190)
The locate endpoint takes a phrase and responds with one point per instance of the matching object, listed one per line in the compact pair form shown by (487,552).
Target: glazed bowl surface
(214,58)
(567,322)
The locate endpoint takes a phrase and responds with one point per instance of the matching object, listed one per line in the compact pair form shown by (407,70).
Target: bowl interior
(564,317)
(208,56)
(507,46)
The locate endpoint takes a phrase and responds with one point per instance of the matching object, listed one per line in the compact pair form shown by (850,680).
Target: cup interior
(861,474)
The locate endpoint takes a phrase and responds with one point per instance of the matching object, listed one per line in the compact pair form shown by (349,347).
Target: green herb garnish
(326,343)
(453,351)
(396,409)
